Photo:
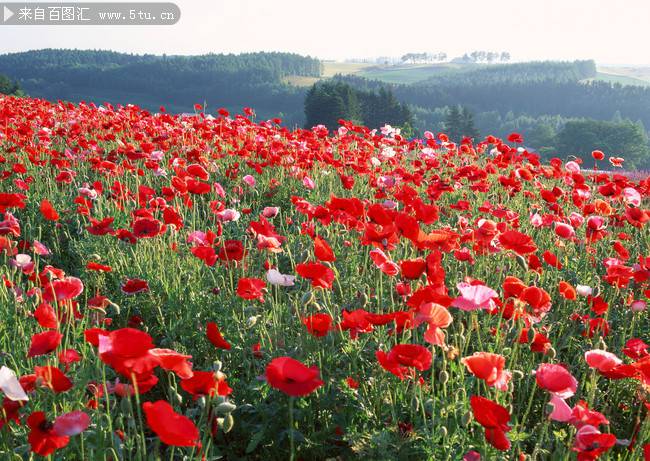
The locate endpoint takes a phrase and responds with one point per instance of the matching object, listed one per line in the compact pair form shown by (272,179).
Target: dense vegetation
(328,102)
(9,87)
(536,99)
(213,288)
(231,81)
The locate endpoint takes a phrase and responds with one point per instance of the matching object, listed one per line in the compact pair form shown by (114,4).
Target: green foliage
(459,123)
(231,81)
(625,139)
(328,102)
(9,87)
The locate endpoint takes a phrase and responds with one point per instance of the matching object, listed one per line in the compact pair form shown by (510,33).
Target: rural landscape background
(289,231)
(569,107)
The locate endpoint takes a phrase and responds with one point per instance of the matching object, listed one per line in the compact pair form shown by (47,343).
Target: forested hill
(233,81)
(534,89)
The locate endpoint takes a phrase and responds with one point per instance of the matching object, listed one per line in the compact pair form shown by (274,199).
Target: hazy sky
(614,32)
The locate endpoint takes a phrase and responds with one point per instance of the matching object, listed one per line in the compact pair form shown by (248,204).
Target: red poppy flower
(46,316)
(488,367)
(232,250)
(404,356)
(214,336)
(598,155)
(53,378)
(206,254)
(383,262)
(70,424)
(172,428)
(320,275)
(8,200)
(516,241)
(636,348)
(147,227)
(93,266)
(318,325)
(127,351)
(552,260)
(412,268)
(134,286)
(43,438)
(322,250)
(62,290)
(171,360)
(567,291)
(590,443)
(515,138)
(494,418)
(48,211)
(251,288)
(102,227)
(206,383)
(556,379)
(44,343)
(292,377)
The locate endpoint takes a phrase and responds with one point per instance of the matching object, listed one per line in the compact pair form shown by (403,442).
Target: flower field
(213,287)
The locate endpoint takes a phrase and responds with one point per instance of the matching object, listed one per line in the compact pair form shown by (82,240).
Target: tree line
(328,102)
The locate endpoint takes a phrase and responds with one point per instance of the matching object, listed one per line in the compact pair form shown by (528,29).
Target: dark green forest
(328,102)
(8,86)
(177,82)
(556,106)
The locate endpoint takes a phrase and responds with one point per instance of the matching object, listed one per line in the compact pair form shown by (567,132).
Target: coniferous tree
(8,87)
(467,124)
(453,123)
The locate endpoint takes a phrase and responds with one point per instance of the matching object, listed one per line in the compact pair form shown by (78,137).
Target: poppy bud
(551,352)
(178,397)
(226,407)
(252,321)
(201,401)
(443,377)
(518,374)
(115,306)
(428,406)
(125,406)
(601,344)
(443,432)
(228,423)
(522,262)
(307,298)
(363,300)
(466,419)
(216,367)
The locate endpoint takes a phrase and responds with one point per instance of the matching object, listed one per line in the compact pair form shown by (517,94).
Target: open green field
(404,74)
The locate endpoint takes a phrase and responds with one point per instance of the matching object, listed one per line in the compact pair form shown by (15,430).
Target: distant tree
(327,103)
(619,139)
(8,87)
(505,56)
(454,123)
(467,127)
(543,138)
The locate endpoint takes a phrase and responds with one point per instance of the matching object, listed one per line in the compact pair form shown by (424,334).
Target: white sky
(610,31)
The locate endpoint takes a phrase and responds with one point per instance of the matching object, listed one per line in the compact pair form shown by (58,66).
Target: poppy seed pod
(226,407)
